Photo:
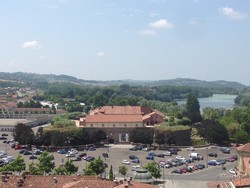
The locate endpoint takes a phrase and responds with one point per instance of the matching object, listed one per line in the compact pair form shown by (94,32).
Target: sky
(127,39)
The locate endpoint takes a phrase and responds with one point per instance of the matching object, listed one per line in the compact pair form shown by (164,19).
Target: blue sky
(127,39)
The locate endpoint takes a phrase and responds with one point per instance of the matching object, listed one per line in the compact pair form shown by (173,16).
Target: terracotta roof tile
(244,148)
(240,182)
(113,118)
(66,182)
(246,161)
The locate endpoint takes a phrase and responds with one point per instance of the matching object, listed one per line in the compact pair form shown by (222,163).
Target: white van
(193,154)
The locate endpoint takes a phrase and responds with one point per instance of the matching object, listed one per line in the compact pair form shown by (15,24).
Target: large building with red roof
(118,121)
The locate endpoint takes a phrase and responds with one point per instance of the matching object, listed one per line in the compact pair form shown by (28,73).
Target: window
(102,125)
(125,125)
(91,125)
(136,125)
(113,125)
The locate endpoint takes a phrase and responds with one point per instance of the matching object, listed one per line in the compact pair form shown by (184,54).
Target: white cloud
(42,57)
(148,32)
(99,54)
(31,44)
(162,23)
(231,13)
(192,22)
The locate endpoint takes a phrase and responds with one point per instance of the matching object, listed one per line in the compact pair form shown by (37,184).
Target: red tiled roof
(246,161)
(38,181)
(244,148)
(113,118)
(134,184)
(122,110)
(240,182)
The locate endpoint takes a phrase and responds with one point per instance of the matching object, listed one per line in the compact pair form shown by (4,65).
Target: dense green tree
(67,169)
(34,170)
(23,134)
(142,135)
(98,136)
(96,166)
(193,108)
(123,170)
(153,169)
(160,137)
(18,165)
(46,163)
(213,131)
(242,136)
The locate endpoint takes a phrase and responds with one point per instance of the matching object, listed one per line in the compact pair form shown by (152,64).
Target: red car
(18,147)
(183,170)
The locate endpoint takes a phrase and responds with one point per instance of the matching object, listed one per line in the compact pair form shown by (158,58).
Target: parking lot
(117,153)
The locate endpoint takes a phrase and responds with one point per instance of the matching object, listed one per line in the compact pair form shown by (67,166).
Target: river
(216,101)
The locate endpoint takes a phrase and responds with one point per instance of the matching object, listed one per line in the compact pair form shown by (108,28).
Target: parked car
(232,171)
(212,163)
(62,151)
(33,157)
(133,157)
(17,147)
(90,158)
(177,171)
(126,162)
(200,166)
(135,161)
(105,155)
(168,165)
(152,154)
(235,157)
(174,151)
(225,150)
(37,152)
(5,134)
(229,159)
(167,153)
(221,161)
(212,154)
(70,155)
(136,167)
(76,159)
(190,149)
(135,148)
(82,154)
(26,152)
(180,158)
(92,149)
(150,157)
(160,155)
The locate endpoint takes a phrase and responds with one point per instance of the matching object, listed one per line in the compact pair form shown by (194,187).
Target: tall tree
(18,165)
(193,108)
(123,170)
(23,134)
(95,167)
(153,169)
(111,174)
(46,163)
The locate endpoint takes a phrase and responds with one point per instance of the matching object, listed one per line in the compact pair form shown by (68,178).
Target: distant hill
(37,78)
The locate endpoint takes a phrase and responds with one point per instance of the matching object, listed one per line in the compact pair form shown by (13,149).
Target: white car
(126,162)
(136,167)
(180,158)
(232,171)
(190,149)
(70,155)
(167,153)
